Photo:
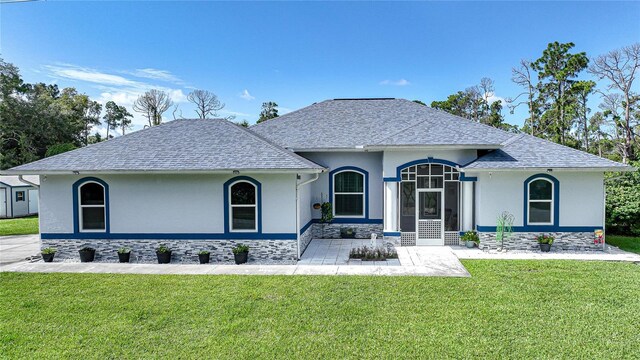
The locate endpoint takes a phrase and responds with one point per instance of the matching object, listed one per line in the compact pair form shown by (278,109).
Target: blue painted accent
(305,227)
(226,204)
(556,201)
(470,178)
(429,160)
(366,189)
(543,228)
(76,211)
(167,236)
(391,233)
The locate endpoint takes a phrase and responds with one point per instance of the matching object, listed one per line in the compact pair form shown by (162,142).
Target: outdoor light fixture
(236,172)
(76,172)
(549,170)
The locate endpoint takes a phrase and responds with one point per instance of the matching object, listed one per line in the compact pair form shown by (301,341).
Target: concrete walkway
(17,248)
(116,268)
(611,253)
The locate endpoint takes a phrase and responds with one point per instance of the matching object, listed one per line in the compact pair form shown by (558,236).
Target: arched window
(349,194)
(92,206)
(540,203)
(243,207)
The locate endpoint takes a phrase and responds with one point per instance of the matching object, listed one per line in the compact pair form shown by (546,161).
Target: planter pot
(241,258)
(545,247)
(204,258)
(87,255)
(470,244)
(317,206)
(48,257)
(124,257)
(164,258)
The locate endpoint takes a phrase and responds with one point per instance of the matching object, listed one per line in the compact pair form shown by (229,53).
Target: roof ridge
(280,117)
(274,145)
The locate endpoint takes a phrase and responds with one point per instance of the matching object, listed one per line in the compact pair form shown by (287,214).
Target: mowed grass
(19,226)
(627,243)
(507,309)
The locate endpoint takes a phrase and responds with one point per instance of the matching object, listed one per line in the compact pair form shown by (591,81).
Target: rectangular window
(540,194)
(19,196)
(244,209)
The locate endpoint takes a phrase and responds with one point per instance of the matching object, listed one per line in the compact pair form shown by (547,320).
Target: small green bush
(545,239)
(372,253)
(203,252)
(240,248)
(124,250)
(163,249)
(470,236)
(49,250)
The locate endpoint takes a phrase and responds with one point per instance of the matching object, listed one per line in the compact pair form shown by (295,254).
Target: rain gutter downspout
(298,185)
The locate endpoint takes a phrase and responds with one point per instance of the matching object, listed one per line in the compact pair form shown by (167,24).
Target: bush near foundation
(623,202)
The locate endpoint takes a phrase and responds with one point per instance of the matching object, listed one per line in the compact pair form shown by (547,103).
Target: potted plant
(164,254)
(317,206)
(347,233)
(123,254)
(48,254)
(240,253)
(470,238)
(203,256)
(87,254)
(545,242)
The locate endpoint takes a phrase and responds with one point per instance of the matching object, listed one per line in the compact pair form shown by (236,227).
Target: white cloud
(401,82)
(72,72)
(234,113)
(246,95)
(491,98)
(156,74)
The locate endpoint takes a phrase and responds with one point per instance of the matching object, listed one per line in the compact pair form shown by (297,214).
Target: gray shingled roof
(529,152)
(350,123)
(13,180)
(179,145)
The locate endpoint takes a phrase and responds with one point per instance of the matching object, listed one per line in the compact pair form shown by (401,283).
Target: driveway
(18,247)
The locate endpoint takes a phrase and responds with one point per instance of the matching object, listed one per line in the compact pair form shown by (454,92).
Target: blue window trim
(428,160)
(556,203)
(76,210)
(366,191)
(391,233)
(227,228)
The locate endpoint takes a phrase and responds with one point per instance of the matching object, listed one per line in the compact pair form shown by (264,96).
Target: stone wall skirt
(527,241)
(332,231)
(183,251)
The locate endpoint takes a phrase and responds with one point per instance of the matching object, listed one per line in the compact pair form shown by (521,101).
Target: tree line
(555,94)
(40,120)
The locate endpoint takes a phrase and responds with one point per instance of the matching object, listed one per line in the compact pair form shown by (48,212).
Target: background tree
(243,123)
(523,76)
(207,103)
(90,115)
(152,104)
(582,90)
(269,111)
(619,68)
(116,116)
(59,149)
(623,202)
(557,71)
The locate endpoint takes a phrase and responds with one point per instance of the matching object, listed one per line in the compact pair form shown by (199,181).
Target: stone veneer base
(572,241)
(182,251)
(332,231)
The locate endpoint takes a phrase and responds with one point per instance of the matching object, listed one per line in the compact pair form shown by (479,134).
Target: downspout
(298,185)
(28,182)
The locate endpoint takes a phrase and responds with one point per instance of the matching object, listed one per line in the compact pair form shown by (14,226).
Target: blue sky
(297,53)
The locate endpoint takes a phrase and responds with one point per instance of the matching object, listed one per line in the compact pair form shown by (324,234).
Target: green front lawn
(19,226)
(627,243)
(508,309)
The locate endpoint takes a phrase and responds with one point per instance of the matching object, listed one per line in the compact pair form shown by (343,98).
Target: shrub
(203,252)
(124,250)
(163,249)
(49,250)
(373,253)
(545,239)
(240,248)
(470,236)
(327,212)
(623,202)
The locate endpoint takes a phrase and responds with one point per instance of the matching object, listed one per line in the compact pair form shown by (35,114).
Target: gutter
(298,186)
(115,172)
(28,182)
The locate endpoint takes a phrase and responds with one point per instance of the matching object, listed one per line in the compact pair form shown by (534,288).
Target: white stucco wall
(369,161)
(393,159)
(306,205)
(581,197)
(168,203)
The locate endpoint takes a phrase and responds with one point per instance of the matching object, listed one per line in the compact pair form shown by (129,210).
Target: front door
(429,216)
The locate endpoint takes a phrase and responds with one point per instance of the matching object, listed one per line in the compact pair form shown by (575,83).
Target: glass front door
(430,218)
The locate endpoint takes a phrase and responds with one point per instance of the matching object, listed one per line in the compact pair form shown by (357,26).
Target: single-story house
(18,198)
(404,171)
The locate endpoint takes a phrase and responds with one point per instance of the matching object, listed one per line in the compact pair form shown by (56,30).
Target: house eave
(365,148)
(551,169)
(159,171)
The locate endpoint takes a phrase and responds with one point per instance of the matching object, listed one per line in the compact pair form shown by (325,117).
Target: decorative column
(391,206)
(467,205)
